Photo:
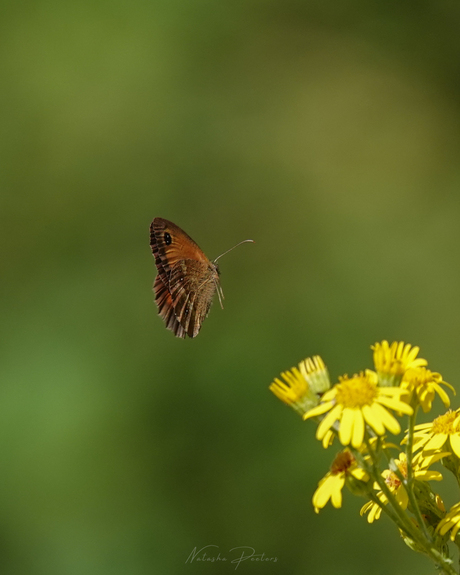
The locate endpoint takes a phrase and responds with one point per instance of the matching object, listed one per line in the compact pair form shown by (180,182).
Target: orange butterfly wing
(186,281)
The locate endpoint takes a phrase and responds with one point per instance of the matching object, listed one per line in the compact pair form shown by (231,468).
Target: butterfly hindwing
(192,285)
(164,302)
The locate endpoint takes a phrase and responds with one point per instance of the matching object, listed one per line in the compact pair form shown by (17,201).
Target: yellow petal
(436,442)
(428,475)
(359,474)
(387,419)
(374,513)
(336,497)
(442,394)
(444,527)
(366,507)
(372,419)
(323,493)
(326,489)
(455,443)
(346,426)
(328,439)
(418,441)
(423,426)
(401,497)
(424,461)
(454,532)
(358,430)
(412,353)
(328,421)
(396,405)
(318,410)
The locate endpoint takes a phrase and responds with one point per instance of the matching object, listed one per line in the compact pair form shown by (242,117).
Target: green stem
(409,481)
(410,444)
(409,527)
(403,520)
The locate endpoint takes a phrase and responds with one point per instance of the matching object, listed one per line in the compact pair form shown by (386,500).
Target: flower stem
(409,481)
(404,520)
(401,518)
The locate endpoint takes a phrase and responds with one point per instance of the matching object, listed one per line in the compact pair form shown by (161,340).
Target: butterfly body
(186,282)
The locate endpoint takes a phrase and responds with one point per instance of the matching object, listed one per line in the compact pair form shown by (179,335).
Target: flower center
(392,480)
(421,376)
(343,461)
(394,359)
(356,391)
(445,423)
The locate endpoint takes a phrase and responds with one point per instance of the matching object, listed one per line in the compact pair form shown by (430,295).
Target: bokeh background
(326,131)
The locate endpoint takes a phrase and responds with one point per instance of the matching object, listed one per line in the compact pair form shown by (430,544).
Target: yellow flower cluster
(359,410)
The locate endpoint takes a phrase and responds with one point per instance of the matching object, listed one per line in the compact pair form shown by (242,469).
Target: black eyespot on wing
(167,239)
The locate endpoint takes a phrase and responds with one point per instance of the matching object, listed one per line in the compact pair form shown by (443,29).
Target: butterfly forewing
(170,244)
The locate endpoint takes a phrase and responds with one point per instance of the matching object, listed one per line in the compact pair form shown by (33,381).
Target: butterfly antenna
(243,242)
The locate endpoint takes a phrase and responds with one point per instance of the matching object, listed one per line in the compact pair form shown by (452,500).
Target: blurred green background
(326,131)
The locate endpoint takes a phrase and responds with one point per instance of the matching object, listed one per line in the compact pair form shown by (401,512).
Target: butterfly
(187,280)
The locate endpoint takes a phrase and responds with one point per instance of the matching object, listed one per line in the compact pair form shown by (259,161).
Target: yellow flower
(396,487)
(445,429)
(391,362)
(330,487)
(316,374)
(301,385)
(424,384)
(355,402)
(450,521)
(294,391)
